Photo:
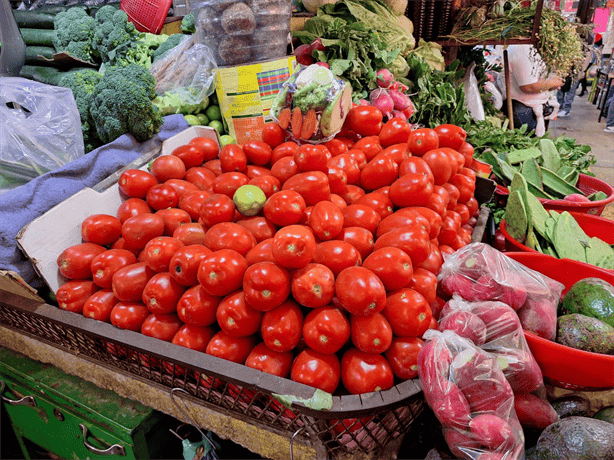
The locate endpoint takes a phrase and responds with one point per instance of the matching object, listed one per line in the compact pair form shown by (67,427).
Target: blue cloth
(22,205)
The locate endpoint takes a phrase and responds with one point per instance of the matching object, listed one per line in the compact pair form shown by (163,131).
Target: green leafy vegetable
(321,400)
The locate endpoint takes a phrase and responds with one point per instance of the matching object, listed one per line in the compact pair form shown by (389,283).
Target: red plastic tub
(563,366)
(587,185)
(146,15)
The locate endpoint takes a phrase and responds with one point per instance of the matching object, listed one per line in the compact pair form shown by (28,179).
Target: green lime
(213,112)
(192,120)
(217,125)
(226,139)
(249,200)
(203,119)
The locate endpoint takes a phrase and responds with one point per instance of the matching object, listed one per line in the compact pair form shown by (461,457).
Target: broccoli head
(122,103)
(187,24)
(171,42)
(74,33)
(116,39)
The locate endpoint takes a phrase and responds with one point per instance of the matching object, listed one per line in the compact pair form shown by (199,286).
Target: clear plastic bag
(40,130)
(473,98)
(470,396)
(479,272)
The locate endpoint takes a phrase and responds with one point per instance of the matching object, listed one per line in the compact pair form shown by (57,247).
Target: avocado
(591,297)
(585,333)
(576,438)
(570,405)
(606,414)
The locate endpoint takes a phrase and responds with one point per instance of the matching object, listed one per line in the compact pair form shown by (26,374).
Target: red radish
(317,45)
(576,197)
(409,111)
(534,412)
(399,114)
(492,431)
(303,55)
(384,78)
(465,324)
(363,102)
(400,100)
(381,99)
(323,64)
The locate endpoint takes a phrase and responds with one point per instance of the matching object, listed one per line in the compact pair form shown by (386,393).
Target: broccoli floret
(116,39)
(168,44)
(74,33)
(122,103)
(187,24)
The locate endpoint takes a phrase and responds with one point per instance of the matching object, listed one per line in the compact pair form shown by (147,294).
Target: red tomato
(139,229)
(259,226)
(235,316)
(262,252)
(72,295)
(228,235)
(441,165)
(337,179)
(379,172)
(402,218)
(286,149)
(191,202)
(167,167)
(198,308)
(361,238)
(227,183)
(282,327)
(267,183)
(392,266)
(337,200)
(465,187)
(413,189)
(232,158)
(199,176)
(463,212)
(129,315)
(293,246)
(433,262)
(173,218)
(445,249)
(359,215)
(408,313)
(450,136)
(99,305)
(101,229)
(422,140)
(459,159)
(190,233)
(253,171)
(235,349)
(348,165)
(162,196)
(336,255)
(473,206)
(326,330)
(371,334)
(395,131)
(377,201)
(158,252)
(413,240)
(161,326)
(359,157)
(326,220)
(365,372)
(273,135)
(336,147)
(190,154)
(313,186)
(217,208)
(360,291)
(121,244)
(132,207)
(313,285)
(449,227)
(467,150)
(221,272)
(75,261)
(208,146)
(266,285)
(465,234)
(316,370)
(182,186)
(365,120)
(258,152)
(161,293)
(135,183)
(416,165)
(284,168)
(285,208)
(105,264)
(193,337)
(370,146)
(310,158)
(438,200)
(352,193)
(403,356)
(272,362)
(433,217)
(215,166)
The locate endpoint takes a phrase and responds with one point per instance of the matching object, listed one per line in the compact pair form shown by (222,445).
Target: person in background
(609,121)
(592,61)
(530,88)
(565,95)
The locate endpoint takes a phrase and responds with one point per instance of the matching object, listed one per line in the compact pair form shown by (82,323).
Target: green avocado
(585,333)
(606,414)
(590,297)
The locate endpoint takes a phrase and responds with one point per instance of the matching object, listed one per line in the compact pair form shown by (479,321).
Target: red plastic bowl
(147,15)
(563,366)
(587,185)
(592,225)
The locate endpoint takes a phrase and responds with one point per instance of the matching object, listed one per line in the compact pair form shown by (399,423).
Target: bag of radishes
(470,396)
(480,272)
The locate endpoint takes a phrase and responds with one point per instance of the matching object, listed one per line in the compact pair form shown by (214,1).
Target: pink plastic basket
(147,15)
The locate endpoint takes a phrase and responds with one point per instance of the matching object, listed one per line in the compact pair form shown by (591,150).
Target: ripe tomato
(209,147)
(365,372)
(316,370)
(173,218)
(139,229)
(352,193)
(473,206)
(193,337)
(371,334)
(346,163)
(182,186)
(272,362)
(285,208)
(190,233)
(359,157)
(101,229)
(412,189)
(191,202)
(313,186)
(161,326)
(105,264)
(158,252)
(132,207)
(433,262)
(200,176)
(258,152)
(359,215)
(221,272)
(451,136)
(293,246)
(361,238)
(99,305)
(395,131)
(285,149)
(191,155)
(72,295)
(449,228)
(326,220)
(467,150)
(441,165)
(236,318)
(75,261)
(198,308)
(121,244)
(402,218)
(408,313)
(336,255)
(337,180)
(262,252)
(266,285)
(416,165)
(369,145)
(313,285)
(392,266)
(360,291)
(161,293)
(272,134)
(403,356)
(377,201)
(365,120)
(217,208)
(227,183)
(433,217)
(232,158)
(267,183)
(336,147)
(379,172)
(129,315)
(162,196)
(326,330)
(128,282)
(465,186)
(310,158)
(167,167)
(282,327)
(134,183)
(414,240)
(422,140)
(215,166)
(228,235)
(235,349)
(259,226)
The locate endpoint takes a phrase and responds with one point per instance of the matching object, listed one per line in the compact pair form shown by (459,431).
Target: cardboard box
(43,246)
(246,92)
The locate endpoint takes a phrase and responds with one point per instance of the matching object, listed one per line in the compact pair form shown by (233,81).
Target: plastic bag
(480,272)
(40,130)
(470,396)
(312,104)
(187,72)
(473,98)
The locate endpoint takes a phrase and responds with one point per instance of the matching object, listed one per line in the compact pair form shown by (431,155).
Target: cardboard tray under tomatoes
(372,420)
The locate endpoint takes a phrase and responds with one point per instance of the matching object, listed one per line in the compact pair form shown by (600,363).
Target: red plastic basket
(587,185)
(146,15)
(563,366)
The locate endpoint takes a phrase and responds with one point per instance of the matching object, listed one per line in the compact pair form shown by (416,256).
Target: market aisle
(583,126)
